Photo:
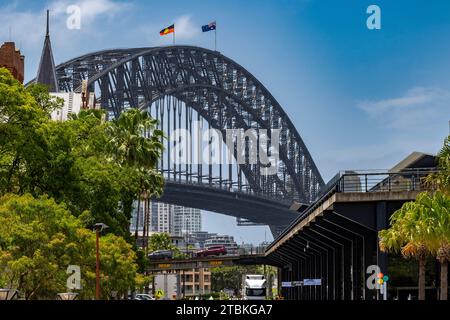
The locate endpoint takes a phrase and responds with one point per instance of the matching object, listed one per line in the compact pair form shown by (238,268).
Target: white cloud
(23,25)
(414,121)
(28,27)
(185,28)
(419,106)
(414,97)
(90,9)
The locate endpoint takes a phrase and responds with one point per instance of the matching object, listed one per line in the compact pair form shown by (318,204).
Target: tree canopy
(86,162)
(422,227)
(59,178)
(40,239)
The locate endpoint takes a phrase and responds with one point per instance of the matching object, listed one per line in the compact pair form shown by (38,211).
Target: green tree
(161,241)
(75,161)
(421,228)
(118,268)
(438,207)
(408,234)
(135,141)
(40,238)
(441,180)
(22,145)
(74,167)
(231,277)
(418,229)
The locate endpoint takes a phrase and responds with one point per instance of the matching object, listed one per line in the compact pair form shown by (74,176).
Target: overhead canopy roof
(415,160)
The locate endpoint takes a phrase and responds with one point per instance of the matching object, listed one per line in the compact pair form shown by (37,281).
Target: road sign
(312,282)
(159,294)
(297,283)
(286,284)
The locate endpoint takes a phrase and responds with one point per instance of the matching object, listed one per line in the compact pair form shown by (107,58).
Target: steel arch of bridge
(222,93)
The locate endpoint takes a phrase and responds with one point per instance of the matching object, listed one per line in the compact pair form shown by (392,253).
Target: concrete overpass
(158,266)
(336,238)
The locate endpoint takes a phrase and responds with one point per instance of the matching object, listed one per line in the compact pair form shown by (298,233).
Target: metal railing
(404,180)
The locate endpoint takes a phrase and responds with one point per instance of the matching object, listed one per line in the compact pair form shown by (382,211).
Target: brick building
(11,59)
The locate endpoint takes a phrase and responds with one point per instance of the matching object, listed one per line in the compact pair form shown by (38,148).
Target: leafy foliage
(162,241)
(90,164)
(422,227)
(40,238)
(441,180)
(232,277)
(61,177)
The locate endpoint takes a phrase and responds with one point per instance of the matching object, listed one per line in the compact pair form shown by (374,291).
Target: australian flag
(209,27)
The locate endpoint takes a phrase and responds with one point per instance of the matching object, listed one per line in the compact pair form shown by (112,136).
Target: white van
(254,287)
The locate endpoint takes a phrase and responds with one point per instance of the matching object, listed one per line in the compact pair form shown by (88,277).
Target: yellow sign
(164,265)
(159,294)
(216,263)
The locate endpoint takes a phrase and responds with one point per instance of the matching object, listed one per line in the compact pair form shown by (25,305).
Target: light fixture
(100,227)
(8,294)
(67,296)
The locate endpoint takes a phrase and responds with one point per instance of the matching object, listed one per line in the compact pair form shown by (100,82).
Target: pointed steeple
(47,71)
(47,34)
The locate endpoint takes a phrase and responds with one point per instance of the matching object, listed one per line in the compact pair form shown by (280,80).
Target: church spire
(47,70)
(47,34)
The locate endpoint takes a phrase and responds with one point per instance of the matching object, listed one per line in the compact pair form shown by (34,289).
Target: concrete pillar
(279,280)
(382,223)
(370,246)
(201,280)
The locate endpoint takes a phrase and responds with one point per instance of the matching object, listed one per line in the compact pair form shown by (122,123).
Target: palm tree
(438,207)
(135,142)
(410,234)
(162,241)
(423,227)
(441,180)
(150,182)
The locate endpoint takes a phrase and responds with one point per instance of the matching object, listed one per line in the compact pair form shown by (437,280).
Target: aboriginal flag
(167,30)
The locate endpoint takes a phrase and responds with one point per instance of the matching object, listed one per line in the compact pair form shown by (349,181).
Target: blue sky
(359,98)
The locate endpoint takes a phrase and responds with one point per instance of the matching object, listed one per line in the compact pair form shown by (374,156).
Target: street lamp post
(98,227)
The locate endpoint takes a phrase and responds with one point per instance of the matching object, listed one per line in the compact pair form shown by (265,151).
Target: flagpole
(174,35)
(215,38)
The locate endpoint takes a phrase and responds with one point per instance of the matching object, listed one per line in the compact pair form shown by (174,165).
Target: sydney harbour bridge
(180,85)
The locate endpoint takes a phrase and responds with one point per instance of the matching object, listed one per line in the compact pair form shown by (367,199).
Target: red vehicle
(212,251)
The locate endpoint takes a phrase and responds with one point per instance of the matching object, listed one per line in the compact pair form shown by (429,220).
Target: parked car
(161,255)
(143,296)
(212,251)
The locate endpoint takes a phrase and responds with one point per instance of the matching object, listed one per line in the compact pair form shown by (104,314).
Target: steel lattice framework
(180,84)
